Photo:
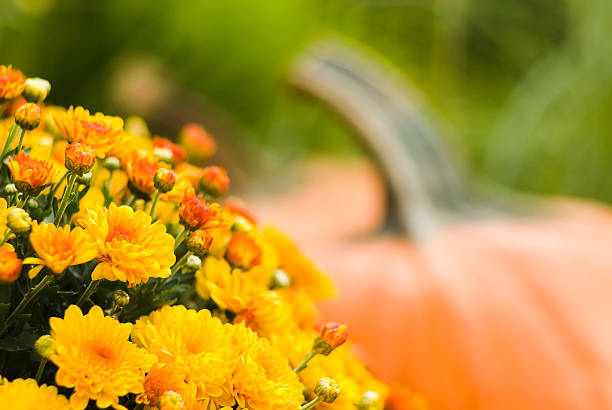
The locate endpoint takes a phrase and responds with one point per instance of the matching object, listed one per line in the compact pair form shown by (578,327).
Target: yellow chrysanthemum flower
(95,357)
(198,344)
(130,248)
(4,210)
(263,378)
(99,131)
(257,307)
(304,275)
(161,379)
(21,394)
(59,248)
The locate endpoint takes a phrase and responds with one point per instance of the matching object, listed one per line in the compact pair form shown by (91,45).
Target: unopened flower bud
(163,154)
(18,221)
(170,400)
(28,116)
(36,90)
(241,224)
(214,181)
(333,335)
(280,279)
(121,298)
(84,179)
(199,242)
(327,390)
(111,163)
(80,158)
(45,346)
(10,189)
(370,400)
(193,263)
(32,203)
(164,180)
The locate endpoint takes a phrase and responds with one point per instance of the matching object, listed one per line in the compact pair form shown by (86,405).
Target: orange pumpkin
(499,312)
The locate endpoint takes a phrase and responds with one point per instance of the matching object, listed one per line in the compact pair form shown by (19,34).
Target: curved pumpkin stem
(425,186)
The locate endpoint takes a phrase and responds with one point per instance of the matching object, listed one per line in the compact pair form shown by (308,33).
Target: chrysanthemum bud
(84,179)
(241,224)
(18,221)
(214,181)
(164,180)
(45,346)
(80,158)
(193,263)
(327,390)
(370,400)
(36,90)
(121,298)
(199,242)
(32,203)
(163,154)
(280,279)
(10,189)
(28,116)
(111,163)
(10,265)
(242,251)
(332,335)
(170,400)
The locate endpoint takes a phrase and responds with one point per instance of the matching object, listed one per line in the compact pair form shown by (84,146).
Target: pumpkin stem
(424,183)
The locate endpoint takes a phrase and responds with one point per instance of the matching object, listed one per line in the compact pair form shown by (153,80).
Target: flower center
(94,126)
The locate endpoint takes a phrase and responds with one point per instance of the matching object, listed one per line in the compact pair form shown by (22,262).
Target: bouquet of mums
(126,281)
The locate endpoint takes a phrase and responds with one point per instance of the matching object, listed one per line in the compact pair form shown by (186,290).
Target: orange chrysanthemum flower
(214,181)
(263,379)
(59,248)
(95,357)
(140,168)
(196,213)
(178,152)
(28,116)
(130,248)
(196,343)
(199,144)
(10,265)
(79,158)
(30,174)
(243,251)
(20,394)
(101,132)
(12,82)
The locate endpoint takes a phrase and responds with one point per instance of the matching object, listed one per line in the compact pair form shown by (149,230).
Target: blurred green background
(523,87)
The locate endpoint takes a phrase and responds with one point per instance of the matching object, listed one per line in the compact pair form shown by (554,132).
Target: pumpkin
(476,306)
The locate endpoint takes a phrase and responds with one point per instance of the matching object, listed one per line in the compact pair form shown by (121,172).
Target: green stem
(7,233)
(41,369)
(91,288)
(304,363)
(56,186)
(154,203)
(65,198)
(23,131)
(131,200)
(310,404)
(180,262)
(27,299)
(9,140)
(24,200)
(179,238)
